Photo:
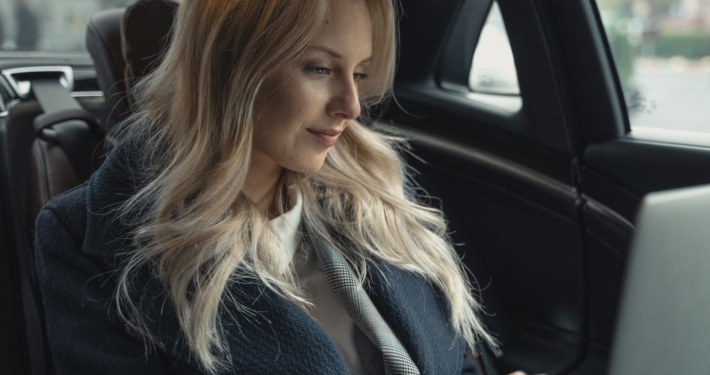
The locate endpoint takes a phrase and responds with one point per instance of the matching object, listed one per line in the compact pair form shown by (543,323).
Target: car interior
(540,198)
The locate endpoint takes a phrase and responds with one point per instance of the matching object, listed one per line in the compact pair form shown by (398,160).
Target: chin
(314,168)
(310,167)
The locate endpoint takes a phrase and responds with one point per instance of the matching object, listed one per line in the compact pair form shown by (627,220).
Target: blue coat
(79,246)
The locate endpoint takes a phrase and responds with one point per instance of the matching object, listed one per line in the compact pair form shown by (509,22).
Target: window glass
(493,78)
(661,50)
(48,25)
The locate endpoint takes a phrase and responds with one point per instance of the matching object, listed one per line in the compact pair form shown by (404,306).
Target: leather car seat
(146,33)
(125,44)
(103,41)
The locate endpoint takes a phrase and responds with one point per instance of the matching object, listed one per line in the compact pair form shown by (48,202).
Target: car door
(540,184)
(505,166)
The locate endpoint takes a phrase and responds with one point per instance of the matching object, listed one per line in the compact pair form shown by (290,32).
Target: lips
(327,137)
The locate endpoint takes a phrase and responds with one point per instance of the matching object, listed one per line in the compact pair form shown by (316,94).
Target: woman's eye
(359,76)
(318,70)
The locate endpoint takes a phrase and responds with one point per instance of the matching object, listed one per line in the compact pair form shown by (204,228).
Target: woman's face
(304,105)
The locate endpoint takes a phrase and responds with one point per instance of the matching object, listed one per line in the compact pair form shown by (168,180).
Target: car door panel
(520,235)
(607,238)
(449,115)
(642,165)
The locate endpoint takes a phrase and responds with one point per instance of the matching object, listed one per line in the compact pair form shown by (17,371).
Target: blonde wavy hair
(198,233)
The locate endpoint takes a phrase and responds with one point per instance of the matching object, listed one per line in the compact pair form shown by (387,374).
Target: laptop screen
(664,319)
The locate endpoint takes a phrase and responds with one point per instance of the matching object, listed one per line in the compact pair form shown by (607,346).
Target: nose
(345,101)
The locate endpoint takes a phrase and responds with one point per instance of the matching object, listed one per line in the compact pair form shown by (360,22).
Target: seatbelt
(74,128)
(52,96)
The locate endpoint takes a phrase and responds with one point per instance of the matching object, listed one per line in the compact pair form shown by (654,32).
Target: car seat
(125,45)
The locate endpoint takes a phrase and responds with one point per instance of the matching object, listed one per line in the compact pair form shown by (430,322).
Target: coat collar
(275,336)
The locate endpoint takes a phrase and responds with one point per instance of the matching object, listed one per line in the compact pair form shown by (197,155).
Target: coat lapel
(415,311)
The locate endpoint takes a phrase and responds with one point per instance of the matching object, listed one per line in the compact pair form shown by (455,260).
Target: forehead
(348,29)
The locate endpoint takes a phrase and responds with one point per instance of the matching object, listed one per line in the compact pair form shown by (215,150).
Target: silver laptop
(664,320)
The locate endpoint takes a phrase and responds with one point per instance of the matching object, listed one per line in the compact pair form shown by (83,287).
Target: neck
(261,183)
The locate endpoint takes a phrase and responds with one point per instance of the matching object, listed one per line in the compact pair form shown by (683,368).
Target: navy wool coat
(80,245)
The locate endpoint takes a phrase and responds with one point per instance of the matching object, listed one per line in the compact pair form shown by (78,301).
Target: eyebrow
(335,54)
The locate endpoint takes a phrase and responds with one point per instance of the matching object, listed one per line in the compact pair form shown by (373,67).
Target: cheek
(279,119)
(294,102)
(290,111)
(302,102)
(274,114)
(280,129)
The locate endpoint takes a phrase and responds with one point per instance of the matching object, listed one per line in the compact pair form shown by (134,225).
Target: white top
(327,310)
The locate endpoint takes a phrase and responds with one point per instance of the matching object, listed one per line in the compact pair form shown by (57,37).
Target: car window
(493,78)
(49,25)
(661,49)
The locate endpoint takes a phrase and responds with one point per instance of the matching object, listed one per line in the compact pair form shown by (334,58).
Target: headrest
(103,41)
(146,33)
(126,44)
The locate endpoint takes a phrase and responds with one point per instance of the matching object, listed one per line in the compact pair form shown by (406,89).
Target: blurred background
(661,50)
(48,25)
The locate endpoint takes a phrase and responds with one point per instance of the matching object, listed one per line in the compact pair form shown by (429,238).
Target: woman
(248,224)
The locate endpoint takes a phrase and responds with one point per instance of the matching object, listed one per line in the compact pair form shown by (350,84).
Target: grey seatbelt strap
(52,96)
(362,311)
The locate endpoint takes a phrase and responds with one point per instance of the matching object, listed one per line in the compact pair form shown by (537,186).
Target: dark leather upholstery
(103,41)
(50,174)
(127,44)
(146,34)
(51,168)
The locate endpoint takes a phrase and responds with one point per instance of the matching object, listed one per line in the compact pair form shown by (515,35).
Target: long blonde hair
(198,230)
